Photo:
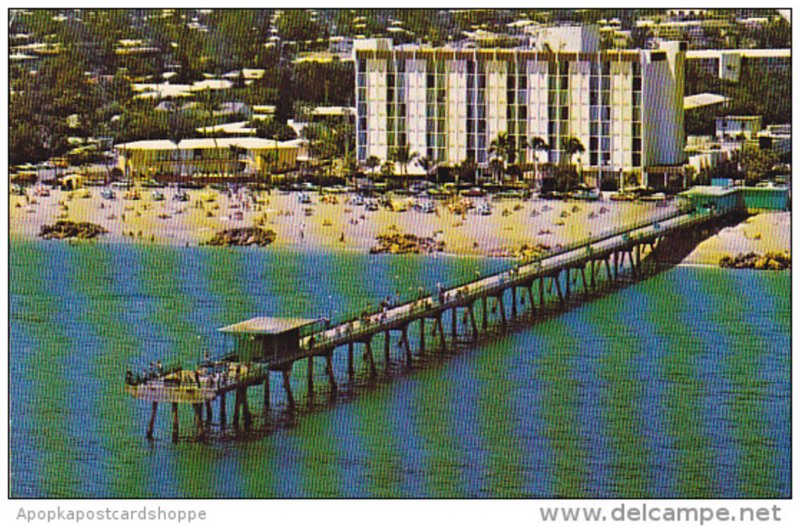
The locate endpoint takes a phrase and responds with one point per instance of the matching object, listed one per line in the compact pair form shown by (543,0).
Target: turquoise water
(678,386)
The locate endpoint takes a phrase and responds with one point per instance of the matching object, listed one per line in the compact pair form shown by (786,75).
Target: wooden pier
(272,346)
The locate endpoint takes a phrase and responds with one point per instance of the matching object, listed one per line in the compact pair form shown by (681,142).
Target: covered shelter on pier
(267,339)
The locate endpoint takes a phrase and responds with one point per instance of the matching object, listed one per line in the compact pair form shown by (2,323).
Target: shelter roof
(267,325)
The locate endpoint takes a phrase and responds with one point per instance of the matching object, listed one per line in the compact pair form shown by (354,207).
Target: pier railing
(353,317)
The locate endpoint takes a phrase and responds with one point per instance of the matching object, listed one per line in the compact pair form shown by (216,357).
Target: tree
(299,25)
(269,159)
(496,166)
(387,169)
(429,165)
(373,162)
(755,163)
(570,147)
(502,147)
(537,144)
(272,129)
(567,177)
(402,155)
(467,169)
(349,164)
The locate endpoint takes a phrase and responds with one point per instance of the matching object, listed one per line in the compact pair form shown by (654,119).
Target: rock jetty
(242,237)
(406,244)
(751,260)
(64,229)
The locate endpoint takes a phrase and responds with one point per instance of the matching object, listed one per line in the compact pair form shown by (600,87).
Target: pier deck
(282,343)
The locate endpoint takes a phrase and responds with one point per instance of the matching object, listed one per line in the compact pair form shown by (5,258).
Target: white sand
(188,222)
(762,233)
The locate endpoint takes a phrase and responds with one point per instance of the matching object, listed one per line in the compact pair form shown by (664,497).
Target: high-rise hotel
(625,106)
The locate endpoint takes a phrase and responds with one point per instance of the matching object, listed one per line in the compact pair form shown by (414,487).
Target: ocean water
(678,386)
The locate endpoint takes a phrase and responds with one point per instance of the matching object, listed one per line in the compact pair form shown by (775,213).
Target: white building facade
(624,106)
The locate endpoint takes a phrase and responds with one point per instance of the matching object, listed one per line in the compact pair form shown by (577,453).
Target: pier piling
(310,376)
(329,372)
(248,418)
(223,410)
(152,421)
(174,421)
(422,335)
(350,371)
(237,402)
(266,392)
(287,386)
(373,371)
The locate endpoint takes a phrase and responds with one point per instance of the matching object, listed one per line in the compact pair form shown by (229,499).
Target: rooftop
(703,99)
(267,325)
(713,191)
(249,143)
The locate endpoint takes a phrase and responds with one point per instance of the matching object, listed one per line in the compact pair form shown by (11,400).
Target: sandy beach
(760,233)
(343,226)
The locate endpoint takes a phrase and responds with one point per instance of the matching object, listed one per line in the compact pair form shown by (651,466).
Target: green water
(677,386)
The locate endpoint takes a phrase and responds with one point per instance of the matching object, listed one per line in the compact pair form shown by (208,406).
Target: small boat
(157,195)
(304,199)
(108,193)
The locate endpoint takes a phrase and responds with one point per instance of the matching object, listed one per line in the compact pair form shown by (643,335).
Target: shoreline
(320,226)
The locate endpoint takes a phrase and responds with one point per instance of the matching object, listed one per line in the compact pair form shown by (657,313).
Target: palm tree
(211,105)
(236,154)
(387,170)
(503,148)
(537,145)
(349,165)
(402,155)
(428,164)
(496,166)
(373,162)
(269,160)
(570,146)
(466,170)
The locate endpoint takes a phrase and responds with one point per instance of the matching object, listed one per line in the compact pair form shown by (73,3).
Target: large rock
(70,230)
(751,260)
(246,236)
(406,244)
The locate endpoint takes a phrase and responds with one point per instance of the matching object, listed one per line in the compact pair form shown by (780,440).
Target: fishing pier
(270,347)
